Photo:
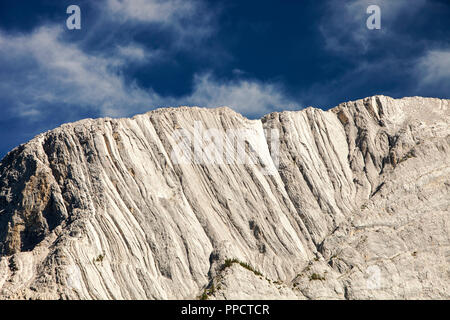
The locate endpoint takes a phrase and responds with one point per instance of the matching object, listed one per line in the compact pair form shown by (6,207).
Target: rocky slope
(355,206)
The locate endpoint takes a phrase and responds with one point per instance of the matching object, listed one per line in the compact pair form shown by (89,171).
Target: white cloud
(248,97)
(189,20)
(157,11)
(134,53)
(344,29)
(433,72)
(416,72)
(42,71)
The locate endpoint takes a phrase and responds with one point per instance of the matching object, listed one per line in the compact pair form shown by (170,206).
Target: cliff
(350,203)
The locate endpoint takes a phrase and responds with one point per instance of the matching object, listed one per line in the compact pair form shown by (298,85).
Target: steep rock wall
(99,209)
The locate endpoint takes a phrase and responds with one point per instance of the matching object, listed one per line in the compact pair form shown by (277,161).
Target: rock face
(356,206)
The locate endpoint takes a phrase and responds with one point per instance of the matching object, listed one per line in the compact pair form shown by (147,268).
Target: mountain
(350,203)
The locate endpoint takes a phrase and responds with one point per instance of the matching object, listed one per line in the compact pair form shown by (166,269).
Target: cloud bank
(45,74)
(433,71)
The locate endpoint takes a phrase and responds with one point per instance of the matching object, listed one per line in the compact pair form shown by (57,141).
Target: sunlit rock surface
(356,207)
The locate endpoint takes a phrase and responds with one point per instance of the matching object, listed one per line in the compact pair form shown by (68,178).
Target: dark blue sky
(131,56)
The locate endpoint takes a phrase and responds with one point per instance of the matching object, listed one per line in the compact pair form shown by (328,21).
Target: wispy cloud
(396,60)
(190,21)
(170,11)
(433,72)
(134,53)
(43,72)
(344,29)
(249,97)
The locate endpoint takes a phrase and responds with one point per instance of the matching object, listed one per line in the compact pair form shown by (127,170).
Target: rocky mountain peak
(347,203)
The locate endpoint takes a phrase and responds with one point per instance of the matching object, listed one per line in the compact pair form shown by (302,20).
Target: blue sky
(131,56)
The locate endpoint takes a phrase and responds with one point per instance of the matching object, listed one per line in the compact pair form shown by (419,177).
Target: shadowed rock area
(356,207)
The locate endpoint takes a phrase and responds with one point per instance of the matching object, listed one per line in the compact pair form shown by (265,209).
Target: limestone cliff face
(356,206)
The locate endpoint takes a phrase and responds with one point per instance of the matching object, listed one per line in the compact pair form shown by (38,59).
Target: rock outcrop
(355,206)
